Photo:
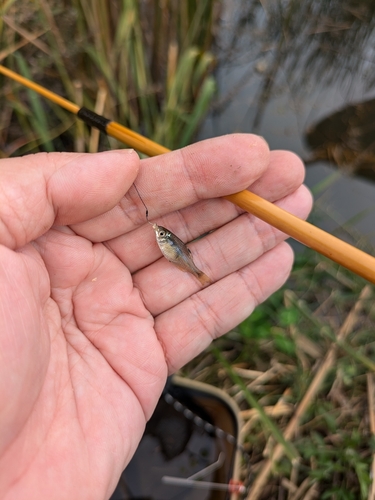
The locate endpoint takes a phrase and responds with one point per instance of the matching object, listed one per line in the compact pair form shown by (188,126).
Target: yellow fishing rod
(335,249)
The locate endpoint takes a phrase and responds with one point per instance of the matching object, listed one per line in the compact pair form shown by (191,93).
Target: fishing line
(140,197)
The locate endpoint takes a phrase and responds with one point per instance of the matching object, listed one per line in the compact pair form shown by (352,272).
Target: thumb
(37,191)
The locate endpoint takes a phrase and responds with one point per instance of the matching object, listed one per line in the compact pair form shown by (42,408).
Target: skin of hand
(92,318)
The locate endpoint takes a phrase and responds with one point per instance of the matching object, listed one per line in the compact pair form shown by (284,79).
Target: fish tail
(203,278)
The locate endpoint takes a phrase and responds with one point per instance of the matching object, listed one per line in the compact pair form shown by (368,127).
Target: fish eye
(161,233)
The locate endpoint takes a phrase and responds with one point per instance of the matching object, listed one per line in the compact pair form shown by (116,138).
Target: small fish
(178,253)
(175,250)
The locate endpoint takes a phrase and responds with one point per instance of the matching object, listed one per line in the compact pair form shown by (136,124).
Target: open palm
(92,319)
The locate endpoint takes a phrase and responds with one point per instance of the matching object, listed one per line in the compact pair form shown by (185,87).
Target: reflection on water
(298,45)
(302,74)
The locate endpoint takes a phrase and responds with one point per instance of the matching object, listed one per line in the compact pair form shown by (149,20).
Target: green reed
(152,59)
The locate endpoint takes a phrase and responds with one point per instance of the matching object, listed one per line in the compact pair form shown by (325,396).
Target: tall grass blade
(38,117)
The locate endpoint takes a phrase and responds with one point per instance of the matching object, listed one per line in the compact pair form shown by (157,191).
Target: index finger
(207,169)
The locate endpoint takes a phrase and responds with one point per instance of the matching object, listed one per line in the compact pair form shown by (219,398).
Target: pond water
(302,74)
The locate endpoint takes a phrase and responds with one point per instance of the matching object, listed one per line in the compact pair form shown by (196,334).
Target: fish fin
(192,269)
(204,279)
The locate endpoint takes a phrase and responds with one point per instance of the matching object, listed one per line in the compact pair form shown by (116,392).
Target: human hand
(92,319)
